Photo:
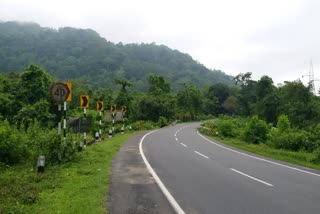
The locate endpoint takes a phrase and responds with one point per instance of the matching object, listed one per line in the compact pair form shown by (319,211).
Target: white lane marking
(175,134)
(176,139)
(201,154)
(165,191)
(183,144)
(253,178)
(261,159)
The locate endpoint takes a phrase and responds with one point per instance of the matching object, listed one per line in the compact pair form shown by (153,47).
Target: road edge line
(257,158)
(163,188)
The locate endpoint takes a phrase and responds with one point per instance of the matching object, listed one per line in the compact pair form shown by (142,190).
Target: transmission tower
(311,79)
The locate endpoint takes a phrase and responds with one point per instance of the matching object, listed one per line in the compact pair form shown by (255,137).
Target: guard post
(84,103)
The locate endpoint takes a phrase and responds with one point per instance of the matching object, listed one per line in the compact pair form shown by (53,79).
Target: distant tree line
(69,53)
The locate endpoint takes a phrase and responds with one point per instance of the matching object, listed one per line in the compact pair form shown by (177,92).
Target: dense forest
(25,104)
(172,87)
(69,53)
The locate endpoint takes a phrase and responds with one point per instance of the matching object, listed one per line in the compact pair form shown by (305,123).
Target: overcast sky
(277,38)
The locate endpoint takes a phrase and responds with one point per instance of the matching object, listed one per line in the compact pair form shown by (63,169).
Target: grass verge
(76,187)
(299,158)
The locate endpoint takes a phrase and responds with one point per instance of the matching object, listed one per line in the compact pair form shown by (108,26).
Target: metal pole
(122,129)
(59,131)
(100,124)
(59,122)
(64,121)
(113,123)
(85,134)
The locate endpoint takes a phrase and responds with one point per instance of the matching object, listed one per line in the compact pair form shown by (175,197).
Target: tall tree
(190,99)
(158,85)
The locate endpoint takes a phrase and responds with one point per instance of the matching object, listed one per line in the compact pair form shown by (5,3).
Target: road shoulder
(132,188)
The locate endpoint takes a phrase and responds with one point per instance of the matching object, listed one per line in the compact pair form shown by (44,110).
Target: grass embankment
(298,158)
(76,187)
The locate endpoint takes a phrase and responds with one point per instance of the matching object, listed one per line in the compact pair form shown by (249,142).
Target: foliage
(158,85)
(316,158)
(12,147)
(284,137)
(143,125)
(300,158)
(62,188)
(70,53)
(163,121)
(44,141)
(227,127)
(189,100)
(283,124)
(255,131)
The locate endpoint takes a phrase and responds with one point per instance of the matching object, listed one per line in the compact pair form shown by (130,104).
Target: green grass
(77,187)
(299,158)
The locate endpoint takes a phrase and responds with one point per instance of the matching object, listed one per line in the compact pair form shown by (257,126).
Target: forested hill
(70,53)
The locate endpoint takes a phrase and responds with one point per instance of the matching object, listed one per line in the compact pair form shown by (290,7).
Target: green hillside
(70,53)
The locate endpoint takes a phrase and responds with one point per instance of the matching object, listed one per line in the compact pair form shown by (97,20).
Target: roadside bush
(283,123)
(284,137)
(44,141)
(143,125)
(148,125)
(226,127)
(314,139)
(316,158)
(12,148)
(293,140)
(162,121)
(256,131)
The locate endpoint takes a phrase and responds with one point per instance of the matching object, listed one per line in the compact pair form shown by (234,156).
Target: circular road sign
(59,92)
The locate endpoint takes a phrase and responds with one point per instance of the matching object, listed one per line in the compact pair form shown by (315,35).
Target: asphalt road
(205,177)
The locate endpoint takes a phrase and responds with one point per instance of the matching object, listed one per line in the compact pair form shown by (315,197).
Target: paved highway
(206,177)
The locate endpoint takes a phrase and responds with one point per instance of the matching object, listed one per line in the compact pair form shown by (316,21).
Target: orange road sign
(84,101)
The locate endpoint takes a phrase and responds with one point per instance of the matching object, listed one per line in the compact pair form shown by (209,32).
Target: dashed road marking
(183,144)
(201,154)
(253,178)
(261,159)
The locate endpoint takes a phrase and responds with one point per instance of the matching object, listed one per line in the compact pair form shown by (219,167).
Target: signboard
(84,101)
(118,116)
(69,84)
(79,124)
(84,125)
(100,105)
(59,92)
(124,109)
(113,108)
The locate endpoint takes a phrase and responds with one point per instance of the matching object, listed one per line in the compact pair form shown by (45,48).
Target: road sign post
(100,109)
(113,109)
(84,103)
(59,93)
(123,110)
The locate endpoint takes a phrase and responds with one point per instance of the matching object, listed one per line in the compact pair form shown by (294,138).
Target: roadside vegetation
(79,186)
(281,142)
(277,121)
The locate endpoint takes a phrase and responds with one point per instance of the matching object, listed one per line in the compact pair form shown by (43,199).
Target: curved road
(206,177)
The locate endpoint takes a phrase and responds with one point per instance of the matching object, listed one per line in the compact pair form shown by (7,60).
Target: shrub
(316,158)
(283,123)
(255,131)
(12,148)
(44,141)
(226,127)
(143,125)
(293,140)
(162,121)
